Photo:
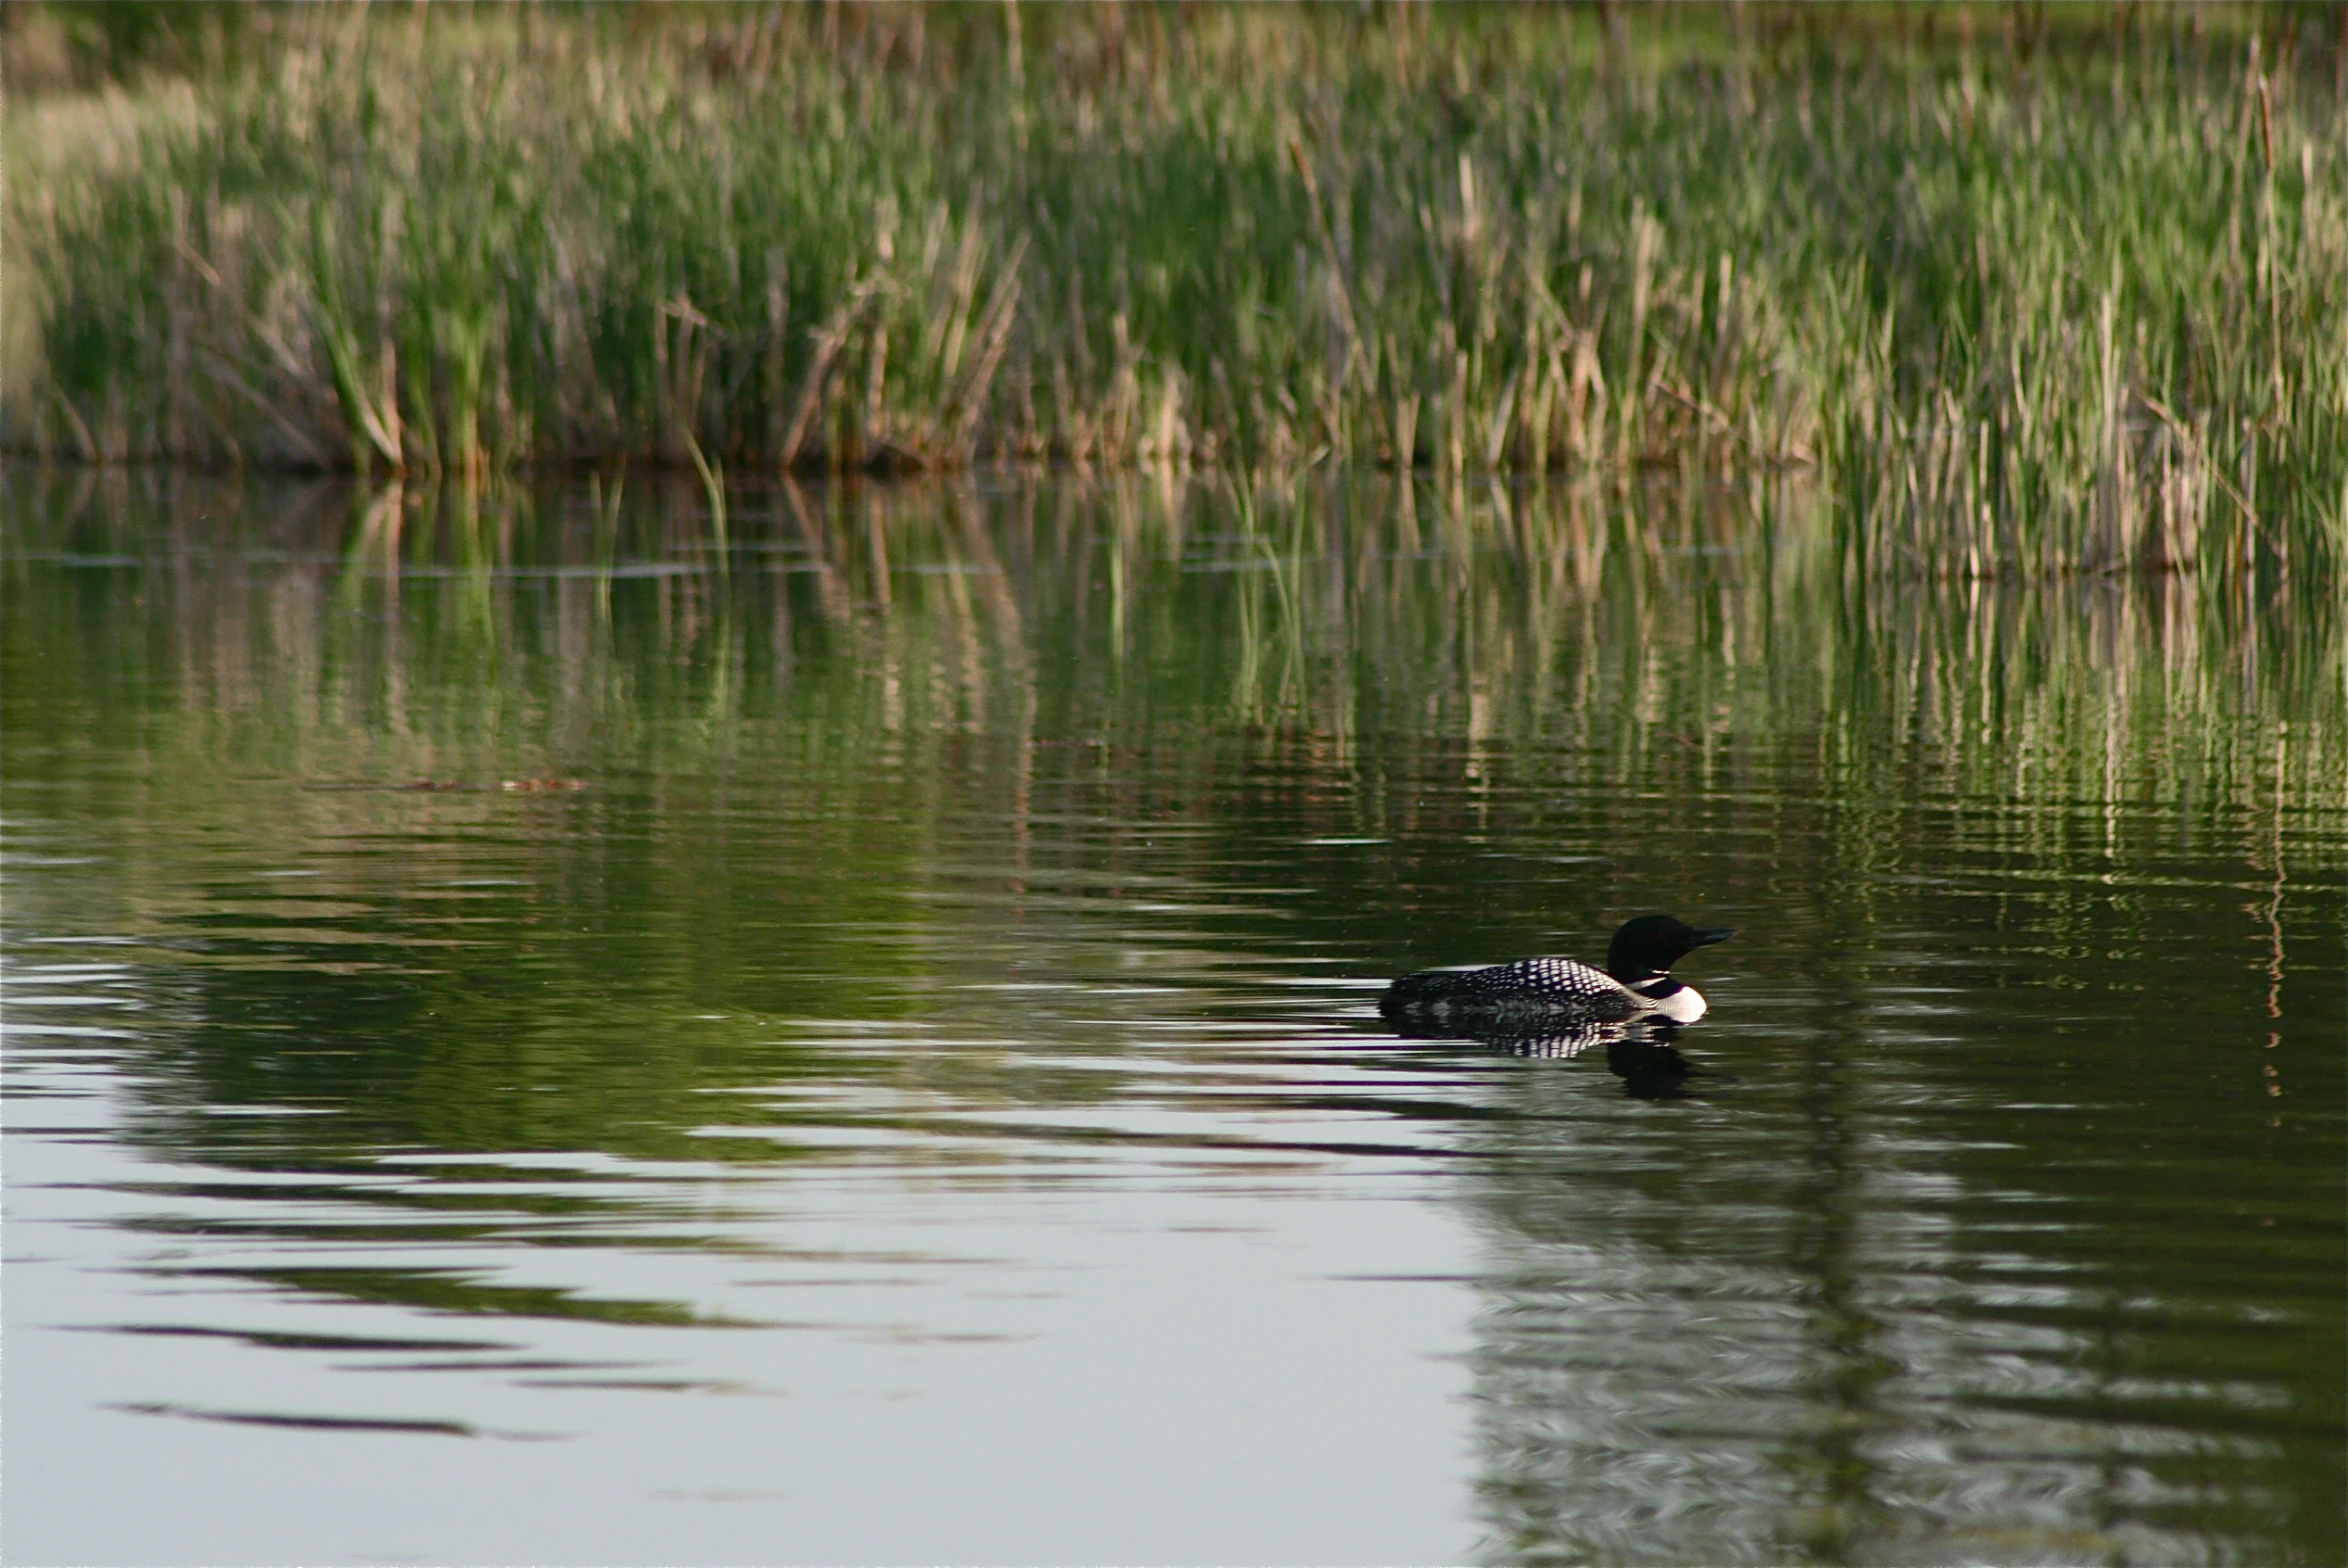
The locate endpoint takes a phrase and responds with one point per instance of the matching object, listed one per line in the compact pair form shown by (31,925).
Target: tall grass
(2027,300)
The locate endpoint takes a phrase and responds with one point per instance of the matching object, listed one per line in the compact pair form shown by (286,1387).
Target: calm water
(919,1096)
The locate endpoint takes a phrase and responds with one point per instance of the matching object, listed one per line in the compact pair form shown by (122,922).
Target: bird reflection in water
(1640,1053)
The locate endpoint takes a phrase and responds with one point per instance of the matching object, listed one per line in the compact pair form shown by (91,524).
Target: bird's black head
(1651,944)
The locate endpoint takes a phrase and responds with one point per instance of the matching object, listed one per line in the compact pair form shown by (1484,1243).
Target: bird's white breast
(1683,1006)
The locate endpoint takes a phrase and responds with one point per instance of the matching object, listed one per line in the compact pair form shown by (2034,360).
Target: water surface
(563,1028)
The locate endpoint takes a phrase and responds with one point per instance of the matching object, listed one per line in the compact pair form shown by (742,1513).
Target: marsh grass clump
(2028,299)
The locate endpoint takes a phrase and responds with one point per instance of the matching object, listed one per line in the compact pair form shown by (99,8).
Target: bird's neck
(1680,1003)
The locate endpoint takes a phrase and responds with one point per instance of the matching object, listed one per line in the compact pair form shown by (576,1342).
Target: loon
(1636,984)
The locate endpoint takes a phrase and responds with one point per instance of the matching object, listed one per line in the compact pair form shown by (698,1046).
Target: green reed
(2048,300)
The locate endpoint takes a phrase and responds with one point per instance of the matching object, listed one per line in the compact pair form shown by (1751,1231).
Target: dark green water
(920,1098)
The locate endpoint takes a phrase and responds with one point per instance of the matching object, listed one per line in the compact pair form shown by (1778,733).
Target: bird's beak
(1705,936)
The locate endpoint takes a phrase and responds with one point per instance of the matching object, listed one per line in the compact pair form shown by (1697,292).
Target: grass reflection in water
(993,849)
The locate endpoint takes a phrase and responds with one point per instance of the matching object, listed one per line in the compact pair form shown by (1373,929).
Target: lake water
(568,1029)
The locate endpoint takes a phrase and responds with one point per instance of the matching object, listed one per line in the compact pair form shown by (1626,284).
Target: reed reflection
(931,827)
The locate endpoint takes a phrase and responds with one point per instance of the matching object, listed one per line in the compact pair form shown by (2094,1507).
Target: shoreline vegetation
(2022,289)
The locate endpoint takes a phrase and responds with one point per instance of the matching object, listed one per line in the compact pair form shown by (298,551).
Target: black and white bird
(1522,997)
